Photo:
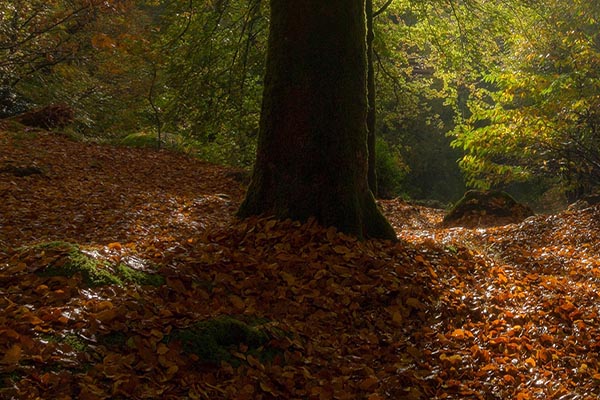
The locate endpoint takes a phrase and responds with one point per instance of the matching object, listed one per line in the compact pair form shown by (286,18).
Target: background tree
(82,53)
(536,113)
(215,54)
(312,154)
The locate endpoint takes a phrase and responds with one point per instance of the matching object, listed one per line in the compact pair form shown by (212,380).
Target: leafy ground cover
(263,309)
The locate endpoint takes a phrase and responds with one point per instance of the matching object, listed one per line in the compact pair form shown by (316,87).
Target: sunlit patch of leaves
(499,313)
(66,259)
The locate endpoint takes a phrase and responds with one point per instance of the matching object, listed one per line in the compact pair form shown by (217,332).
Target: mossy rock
(67,259)
(130,275)
(150,140)
(486,208)
(140,139)
(213,340)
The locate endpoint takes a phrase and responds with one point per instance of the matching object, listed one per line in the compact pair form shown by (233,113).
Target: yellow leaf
(341,249)
(414,303)
(368,382)
(453,359)
(115,246)
(107,315)
(397,318)
(157,334)
(288,278)
(267,388)
(237,302)
(102,41)
(458,334)
(12,355)
(531,362)
(254,362)
(162,349)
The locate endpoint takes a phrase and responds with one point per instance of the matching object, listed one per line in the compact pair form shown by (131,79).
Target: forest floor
(509,312)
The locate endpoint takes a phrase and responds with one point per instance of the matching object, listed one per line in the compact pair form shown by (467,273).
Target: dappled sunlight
(104,190)
(502,312)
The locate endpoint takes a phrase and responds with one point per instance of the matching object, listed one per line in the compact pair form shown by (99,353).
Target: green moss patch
(130,275)
(140,139)
(71,339)
(67,259)
(214,340)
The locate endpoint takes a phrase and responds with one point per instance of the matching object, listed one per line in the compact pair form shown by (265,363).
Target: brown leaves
(508,312)
(12,356)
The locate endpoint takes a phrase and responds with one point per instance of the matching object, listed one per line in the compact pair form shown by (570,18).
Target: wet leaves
(499,313)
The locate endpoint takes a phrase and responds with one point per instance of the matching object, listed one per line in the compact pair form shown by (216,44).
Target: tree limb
(382,9)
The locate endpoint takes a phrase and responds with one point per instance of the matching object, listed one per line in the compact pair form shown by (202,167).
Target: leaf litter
(495,313)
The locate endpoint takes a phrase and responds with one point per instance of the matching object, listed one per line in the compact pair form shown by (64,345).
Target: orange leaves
(103,41)
(461,334)
(530,362)
(12,356)
(453,360)
(238,303)
(368,383)
(509,312)
(116,246)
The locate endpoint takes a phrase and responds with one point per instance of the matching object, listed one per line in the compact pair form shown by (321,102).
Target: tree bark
(312,155)
(371,116)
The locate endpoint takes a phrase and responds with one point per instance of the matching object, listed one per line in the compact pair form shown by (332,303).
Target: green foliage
(213,340)
(537,114)
(140,139)
(390,170)
(214,76)
(519,79)
(412,116)
(92,56)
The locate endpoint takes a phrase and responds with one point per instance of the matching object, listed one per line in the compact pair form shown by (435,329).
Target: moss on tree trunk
(312,152)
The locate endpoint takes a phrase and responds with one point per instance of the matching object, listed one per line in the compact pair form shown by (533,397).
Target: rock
(486,208)
(49,117)
(21,171)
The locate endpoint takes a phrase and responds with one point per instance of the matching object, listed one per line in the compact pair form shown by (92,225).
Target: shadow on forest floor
(496,313)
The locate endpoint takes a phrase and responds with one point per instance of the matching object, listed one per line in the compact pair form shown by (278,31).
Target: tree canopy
(512,84)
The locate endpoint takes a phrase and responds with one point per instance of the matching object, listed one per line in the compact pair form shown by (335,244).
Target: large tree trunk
(371,116)
(312,149)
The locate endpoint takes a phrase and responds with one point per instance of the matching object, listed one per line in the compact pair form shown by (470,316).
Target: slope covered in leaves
(497,313)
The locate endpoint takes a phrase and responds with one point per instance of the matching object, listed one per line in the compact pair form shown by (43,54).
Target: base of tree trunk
(359,216)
